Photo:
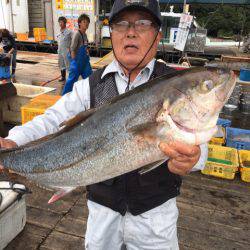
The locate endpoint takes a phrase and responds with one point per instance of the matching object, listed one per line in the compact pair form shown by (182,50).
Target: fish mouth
(186,129)
(225,90)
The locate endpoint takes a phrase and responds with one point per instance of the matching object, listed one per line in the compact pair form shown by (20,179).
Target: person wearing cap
(131,211)
(64,39)
(79,56)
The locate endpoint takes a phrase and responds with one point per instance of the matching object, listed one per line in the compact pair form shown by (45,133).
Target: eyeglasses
(139,25)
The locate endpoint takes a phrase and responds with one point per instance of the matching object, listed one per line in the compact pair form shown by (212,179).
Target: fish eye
(207,85)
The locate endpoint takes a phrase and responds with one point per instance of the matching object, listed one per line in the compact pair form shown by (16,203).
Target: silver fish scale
(111,161)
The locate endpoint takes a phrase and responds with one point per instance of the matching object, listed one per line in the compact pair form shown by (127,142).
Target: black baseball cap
(150,6)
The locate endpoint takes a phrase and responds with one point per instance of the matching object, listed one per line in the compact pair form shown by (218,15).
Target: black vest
(131,192)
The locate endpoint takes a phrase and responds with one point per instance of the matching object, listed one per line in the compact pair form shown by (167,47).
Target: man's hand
(182,157)
(5,143)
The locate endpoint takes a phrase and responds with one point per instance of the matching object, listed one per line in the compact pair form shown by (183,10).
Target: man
(64,40)
(80,63)
(138,211)
(8,45)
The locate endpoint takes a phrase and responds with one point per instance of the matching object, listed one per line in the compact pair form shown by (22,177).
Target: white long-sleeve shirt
(77,101)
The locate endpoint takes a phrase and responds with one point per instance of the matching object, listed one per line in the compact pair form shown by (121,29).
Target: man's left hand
(182,157)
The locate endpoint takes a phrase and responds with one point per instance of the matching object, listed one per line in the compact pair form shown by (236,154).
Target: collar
(114,67)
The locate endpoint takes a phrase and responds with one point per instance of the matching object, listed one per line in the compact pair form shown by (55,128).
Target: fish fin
(144,129)
(60,193)
(151,166)
(151,131)
(82,116)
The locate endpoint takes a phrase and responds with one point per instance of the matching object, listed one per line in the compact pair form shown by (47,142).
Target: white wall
(20,15)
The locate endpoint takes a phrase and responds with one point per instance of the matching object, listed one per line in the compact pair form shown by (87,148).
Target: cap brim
(134,7)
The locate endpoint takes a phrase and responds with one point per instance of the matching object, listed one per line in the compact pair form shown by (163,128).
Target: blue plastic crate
(233,142)
(224,122)
(5,72)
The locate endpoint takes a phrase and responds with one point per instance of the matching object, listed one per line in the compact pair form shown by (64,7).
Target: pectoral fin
(154,131)
(151,166)
(60,193)
(148,129)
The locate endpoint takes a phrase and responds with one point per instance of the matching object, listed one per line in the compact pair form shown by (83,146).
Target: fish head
(198,98)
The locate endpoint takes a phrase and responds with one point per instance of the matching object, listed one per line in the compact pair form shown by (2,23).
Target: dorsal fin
(68,125)
(82,116)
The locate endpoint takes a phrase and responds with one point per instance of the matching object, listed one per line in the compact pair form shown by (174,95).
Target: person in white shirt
(130,211)
(64,40)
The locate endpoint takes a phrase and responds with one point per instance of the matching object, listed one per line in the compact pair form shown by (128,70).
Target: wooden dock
(214,213)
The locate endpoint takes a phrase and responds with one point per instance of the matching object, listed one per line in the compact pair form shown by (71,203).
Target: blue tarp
(206,1)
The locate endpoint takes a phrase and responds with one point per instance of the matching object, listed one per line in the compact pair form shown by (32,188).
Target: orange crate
(22,36)
(40,38)
(37,106)
(39,31)
(46,98)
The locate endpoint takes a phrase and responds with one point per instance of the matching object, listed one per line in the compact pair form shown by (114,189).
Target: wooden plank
(40,197)
(235,59)
(210,182)
(196,240)
(214,216)
(29,238)
(59,241)
(42,218)
(79,212)
(184,247)
(221,200)
(72,226)
(224,231)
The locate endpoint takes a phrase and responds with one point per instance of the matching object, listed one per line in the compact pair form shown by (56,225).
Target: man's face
(131,45)
(84,25)
(62,24)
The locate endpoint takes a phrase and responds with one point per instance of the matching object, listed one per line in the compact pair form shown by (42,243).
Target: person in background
(8,44)
(64,40)
(79,56)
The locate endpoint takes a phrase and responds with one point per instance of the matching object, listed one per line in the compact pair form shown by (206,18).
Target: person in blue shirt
(8,44)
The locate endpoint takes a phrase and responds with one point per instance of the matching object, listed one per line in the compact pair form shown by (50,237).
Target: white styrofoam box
(12,221)
(25,92)
(8,194)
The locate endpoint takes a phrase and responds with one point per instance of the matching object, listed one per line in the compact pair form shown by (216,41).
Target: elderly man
(133,211)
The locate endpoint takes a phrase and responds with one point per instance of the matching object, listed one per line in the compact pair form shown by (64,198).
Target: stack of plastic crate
(222,162)
(244,157)
(39,34)
(37,106)
(222,124)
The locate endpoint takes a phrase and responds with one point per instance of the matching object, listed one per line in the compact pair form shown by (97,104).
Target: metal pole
(184,6)
(12,18)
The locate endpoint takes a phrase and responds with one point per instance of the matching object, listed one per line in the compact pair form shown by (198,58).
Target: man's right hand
(5,143)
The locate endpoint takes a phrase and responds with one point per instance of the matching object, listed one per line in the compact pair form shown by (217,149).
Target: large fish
(123,135)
